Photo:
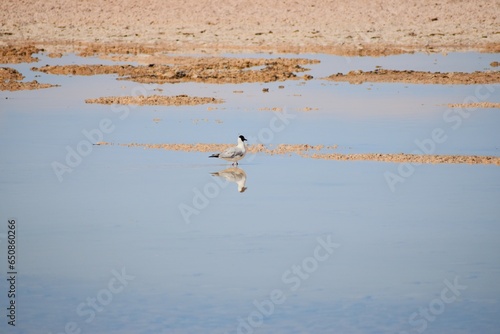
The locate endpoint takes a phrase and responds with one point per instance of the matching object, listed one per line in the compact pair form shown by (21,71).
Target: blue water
(148,241)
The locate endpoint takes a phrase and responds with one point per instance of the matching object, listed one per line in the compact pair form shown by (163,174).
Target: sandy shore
(364,27)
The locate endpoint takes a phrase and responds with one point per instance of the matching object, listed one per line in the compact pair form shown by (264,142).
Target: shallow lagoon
(249,262)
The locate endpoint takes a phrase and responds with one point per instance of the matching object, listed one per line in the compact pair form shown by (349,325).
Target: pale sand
(365,27)
(314,151)
(474,105)
(156,100)
(418,77)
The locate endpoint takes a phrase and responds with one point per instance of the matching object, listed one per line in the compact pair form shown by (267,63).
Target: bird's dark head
(242,138)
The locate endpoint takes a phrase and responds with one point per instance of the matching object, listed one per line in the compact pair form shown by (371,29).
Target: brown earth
(16,55)
(418,77)
(207,70)
(155,100)
(232,70)
(313,151)
(11,79)
(345,27)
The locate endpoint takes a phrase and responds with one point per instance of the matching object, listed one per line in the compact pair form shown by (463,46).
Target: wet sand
(193,69)
(18,54)
(418,77)
(231,70)
(11,79)
(222,70)
(156,100)
(314,151)
(474,105)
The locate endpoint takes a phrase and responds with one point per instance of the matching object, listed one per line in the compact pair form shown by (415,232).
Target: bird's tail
(216,155)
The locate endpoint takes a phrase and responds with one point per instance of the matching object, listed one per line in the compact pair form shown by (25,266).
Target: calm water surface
(148,241)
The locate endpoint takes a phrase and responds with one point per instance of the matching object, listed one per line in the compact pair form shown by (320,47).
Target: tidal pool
(128,240)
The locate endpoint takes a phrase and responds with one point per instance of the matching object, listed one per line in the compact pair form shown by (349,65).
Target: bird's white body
(235,153)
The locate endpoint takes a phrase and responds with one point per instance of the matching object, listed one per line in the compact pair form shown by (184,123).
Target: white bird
(234,153)
(234,174)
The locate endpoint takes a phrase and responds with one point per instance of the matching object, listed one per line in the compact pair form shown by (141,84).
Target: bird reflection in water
(234,174)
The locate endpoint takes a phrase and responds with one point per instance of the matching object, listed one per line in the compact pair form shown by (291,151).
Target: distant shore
(355,27)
